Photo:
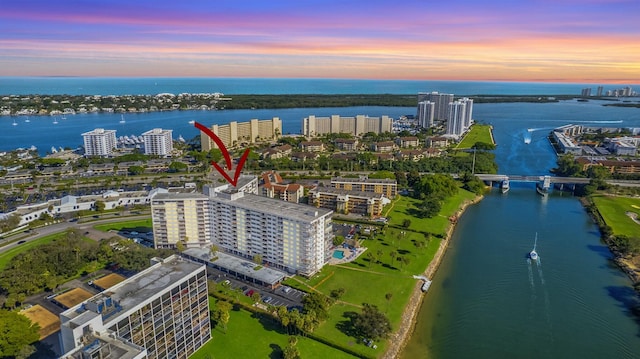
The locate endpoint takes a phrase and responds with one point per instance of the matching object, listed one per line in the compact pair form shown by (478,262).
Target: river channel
(488,300)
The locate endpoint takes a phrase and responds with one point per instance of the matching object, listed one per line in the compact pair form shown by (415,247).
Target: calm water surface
(489,301)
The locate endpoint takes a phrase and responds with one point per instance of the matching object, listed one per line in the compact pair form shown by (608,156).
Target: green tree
(17,334)
(257,259)
(136,170)
(222,313)
(99,206)
(176,166)
(429,207)
(372,323)
(291,351)
(568,167)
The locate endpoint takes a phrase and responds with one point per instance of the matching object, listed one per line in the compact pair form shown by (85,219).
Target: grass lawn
(478,133)
(401,210)
(5,257)
(614,209)
(142,225)
(250,337)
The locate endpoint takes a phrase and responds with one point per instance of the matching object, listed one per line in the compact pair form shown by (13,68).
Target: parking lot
(281,296)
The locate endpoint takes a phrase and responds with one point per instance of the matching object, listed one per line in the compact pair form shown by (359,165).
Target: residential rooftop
(133,291)
(300,212)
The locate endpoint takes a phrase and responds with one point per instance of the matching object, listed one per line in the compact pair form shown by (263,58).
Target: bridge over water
(545,182)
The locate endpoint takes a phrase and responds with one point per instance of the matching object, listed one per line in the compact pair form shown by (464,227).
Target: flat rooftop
(141,287)
(238,265)
(300,212)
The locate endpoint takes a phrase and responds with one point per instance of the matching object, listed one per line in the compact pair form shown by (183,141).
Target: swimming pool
(338,254)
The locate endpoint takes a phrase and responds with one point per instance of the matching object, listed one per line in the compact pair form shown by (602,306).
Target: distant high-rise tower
(586,92)
(441,103)
(600,89)
(99,142)
(426,113)
(456,121)
(158,142)
(468,103)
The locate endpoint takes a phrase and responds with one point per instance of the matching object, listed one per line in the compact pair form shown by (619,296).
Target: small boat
(192,122)
(504,187)
(533,254)
(27,120)
(55,121)
(14,122)
(426,285)
(122,119)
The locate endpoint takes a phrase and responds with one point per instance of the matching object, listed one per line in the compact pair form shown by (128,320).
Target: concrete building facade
(158,142)
(236,133)
(161,312)
(288,236)
(387,187)
(313,126)
(99,142)
(181,217)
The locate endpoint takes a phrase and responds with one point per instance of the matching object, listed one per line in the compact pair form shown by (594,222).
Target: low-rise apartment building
(385,186)
(343,201)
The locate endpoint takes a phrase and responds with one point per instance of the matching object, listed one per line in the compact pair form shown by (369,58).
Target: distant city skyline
(547,41)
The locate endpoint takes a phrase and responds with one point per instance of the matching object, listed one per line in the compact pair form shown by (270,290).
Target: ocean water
(230,86)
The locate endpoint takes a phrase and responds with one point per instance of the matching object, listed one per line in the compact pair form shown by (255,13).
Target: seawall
(400,338)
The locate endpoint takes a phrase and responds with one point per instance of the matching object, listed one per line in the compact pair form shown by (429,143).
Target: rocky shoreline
(409,317)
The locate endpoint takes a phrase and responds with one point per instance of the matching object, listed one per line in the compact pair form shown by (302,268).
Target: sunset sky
(594,41)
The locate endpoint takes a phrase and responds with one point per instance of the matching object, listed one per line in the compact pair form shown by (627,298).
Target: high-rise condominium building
(316,126)
(181,217)
(426,113)
(161,312)
(600,89)
(468,108)
(586,92)
(293,237)
(441,102)
(158,142)
(235,133)
(99,142)
(456,121)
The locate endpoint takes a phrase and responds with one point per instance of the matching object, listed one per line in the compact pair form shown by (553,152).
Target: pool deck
(349,255)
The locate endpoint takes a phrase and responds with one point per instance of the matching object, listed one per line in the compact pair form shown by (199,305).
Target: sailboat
(533,254)
(55,121)
(27,120)
(14,122)
(122,119)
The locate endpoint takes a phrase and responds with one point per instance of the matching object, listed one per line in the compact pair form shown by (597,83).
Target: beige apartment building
(235,133)
(387,187)
(342,201)
(316,126)
(181,216)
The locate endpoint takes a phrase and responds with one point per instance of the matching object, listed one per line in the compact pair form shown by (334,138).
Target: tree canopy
(17,333)
(372,323)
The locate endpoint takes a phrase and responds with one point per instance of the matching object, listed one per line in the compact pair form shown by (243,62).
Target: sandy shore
(399,339)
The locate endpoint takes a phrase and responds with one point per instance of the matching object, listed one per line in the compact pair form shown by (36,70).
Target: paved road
(83,226)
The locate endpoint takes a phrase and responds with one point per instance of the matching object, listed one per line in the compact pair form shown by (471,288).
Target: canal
(488,300)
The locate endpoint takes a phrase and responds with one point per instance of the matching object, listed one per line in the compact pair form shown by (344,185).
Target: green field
(478,133)
(142,225)
(614,212)
(5,257)
(250,337)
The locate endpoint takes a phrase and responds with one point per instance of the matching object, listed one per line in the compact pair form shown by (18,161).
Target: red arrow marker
(227,157)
